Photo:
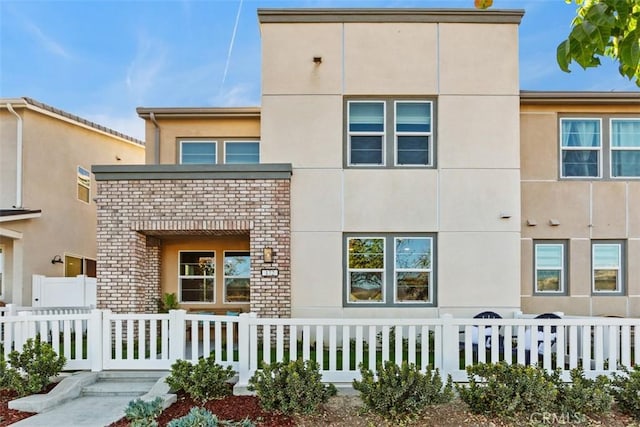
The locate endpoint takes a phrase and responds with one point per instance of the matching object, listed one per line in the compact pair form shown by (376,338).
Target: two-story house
(47,212)
(391,171)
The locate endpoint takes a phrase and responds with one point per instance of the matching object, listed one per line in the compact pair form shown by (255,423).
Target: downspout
(157,138)
(18,157)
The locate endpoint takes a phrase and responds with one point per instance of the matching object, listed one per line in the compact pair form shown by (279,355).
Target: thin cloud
(47,42)
(145,67)
(240,95)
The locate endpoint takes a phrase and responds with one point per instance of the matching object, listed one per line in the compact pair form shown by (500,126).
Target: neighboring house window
(625,148)
(581,144)
(84,184)
(76,266)
(237,274)
(389,270)
(600,147)
(241,152)
(550,268)
(197,276)
(607,267)
(378,130)
(198,152)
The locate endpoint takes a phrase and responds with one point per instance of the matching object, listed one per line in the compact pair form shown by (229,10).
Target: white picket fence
(155,341)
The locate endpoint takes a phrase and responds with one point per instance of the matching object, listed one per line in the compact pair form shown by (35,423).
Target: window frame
(382,270)
(612,148)
(389,134)
(224,150)
(621,268)
(81,260)
(180,276)
(79,184)
(389,289)
(225,277)
(605,156)
(182,142)
(382,134)
(599,149)
(397,270)
(397,133)
(564,271)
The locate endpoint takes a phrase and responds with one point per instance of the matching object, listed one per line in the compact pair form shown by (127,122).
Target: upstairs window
(84,184)
(600,147)
(625,148)
(241,152)
(198,152)
(581,145)
(389,133)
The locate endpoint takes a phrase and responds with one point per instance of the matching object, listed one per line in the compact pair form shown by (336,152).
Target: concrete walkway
(92,399)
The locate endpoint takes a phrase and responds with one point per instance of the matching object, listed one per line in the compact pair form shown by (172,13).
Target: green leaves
(604,28)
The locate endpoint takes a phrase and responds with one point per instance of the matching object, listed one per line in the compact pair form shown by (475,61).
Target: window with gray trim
(389,133)
(600,147)
(607,267)
(218,151)
(550,267)
(389,269)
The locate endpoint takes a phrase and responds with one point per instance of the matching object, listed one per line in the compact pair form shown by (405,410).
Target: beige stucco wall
(52,151)
(471,73)
(172,129)
(586,210)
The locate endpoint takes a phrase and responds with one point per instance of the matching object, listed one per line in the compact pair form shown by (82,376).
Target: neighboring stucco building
(47,212)
(391,171)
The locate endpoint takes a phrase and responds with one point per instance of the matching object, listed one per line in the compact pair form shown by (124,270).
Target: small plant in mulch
(203,381)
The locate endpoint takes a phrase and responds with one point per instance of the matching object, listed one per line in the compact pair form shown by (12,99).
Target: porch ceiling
(196,233)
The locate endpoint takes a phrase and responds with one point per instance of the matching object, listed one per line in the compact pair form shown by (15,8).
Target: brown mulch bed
(340,411)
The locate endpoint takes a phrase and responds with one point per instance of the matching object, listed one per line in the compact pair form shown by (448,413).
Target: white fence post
(11,310)
(246,347)
(95,340)
(176,334)
(449,346)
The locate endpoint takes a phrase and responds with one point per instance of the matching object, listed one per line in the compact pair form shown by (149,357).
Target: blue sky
(102,59)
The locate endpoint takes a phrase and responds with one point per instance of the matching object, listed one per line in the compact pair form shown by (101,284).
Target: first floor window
(84,184)
(550,264)
(389,269)
(198,152)
(76,266)
(606,261)
(197,272)
(237,275)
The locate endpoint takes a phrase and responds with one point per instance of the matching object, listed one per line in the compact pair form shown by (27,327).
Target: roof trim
(197,112)
(473,16)
(7,215)
(155,172)
(529,97)
(46,109)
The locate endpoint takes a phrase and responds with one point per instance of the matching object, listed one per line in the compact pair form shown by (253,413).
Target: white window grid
(225,277)
(368,270)
(205,276)
(224,154)
(413,270)
(561,268)
(617,267)
(612,148)
(83,178)
(196,141)
(429,135)
(382,133)
(598,148)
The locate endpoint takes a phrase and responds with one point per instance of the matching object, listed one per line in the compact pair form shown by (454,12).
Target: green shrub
(583,395)
(626,391)
(30,371)
(291,388)
(401,391)
(203,381)
(506,390)
(143,414)
(169,301)
(200,417)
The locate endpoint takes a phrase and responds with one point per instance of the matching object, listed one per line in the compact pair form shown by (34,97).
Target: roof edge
(530,97)
(196,112)
(304,15)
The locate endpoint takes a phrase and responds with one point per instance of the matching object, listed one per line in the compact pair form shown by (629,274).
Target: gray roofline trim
(197,112)
(32,104)
(578,98)
(173,172)
(336,15)
(8,215)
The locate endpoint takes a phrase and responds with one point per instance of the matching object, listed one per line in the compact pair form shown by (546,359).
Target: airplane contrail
(233,37)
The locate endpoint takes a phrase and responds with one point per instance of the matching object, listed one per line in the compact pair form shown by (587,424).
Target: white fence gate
(79,291)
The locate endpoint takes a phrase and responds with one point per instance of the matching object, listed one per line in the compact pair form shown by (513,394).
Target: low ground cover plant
(625,388)
(200,417)
(506,391)
(400,392)
(206,380)
(30,370)
(143,414)
(291,388)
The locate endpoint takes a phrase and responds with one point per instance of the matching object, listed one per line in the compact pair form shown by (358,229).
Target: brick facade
(135,214)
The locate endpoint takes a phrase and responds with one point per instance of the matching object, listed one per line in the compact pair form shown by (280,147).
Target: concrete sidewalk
(92,399)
